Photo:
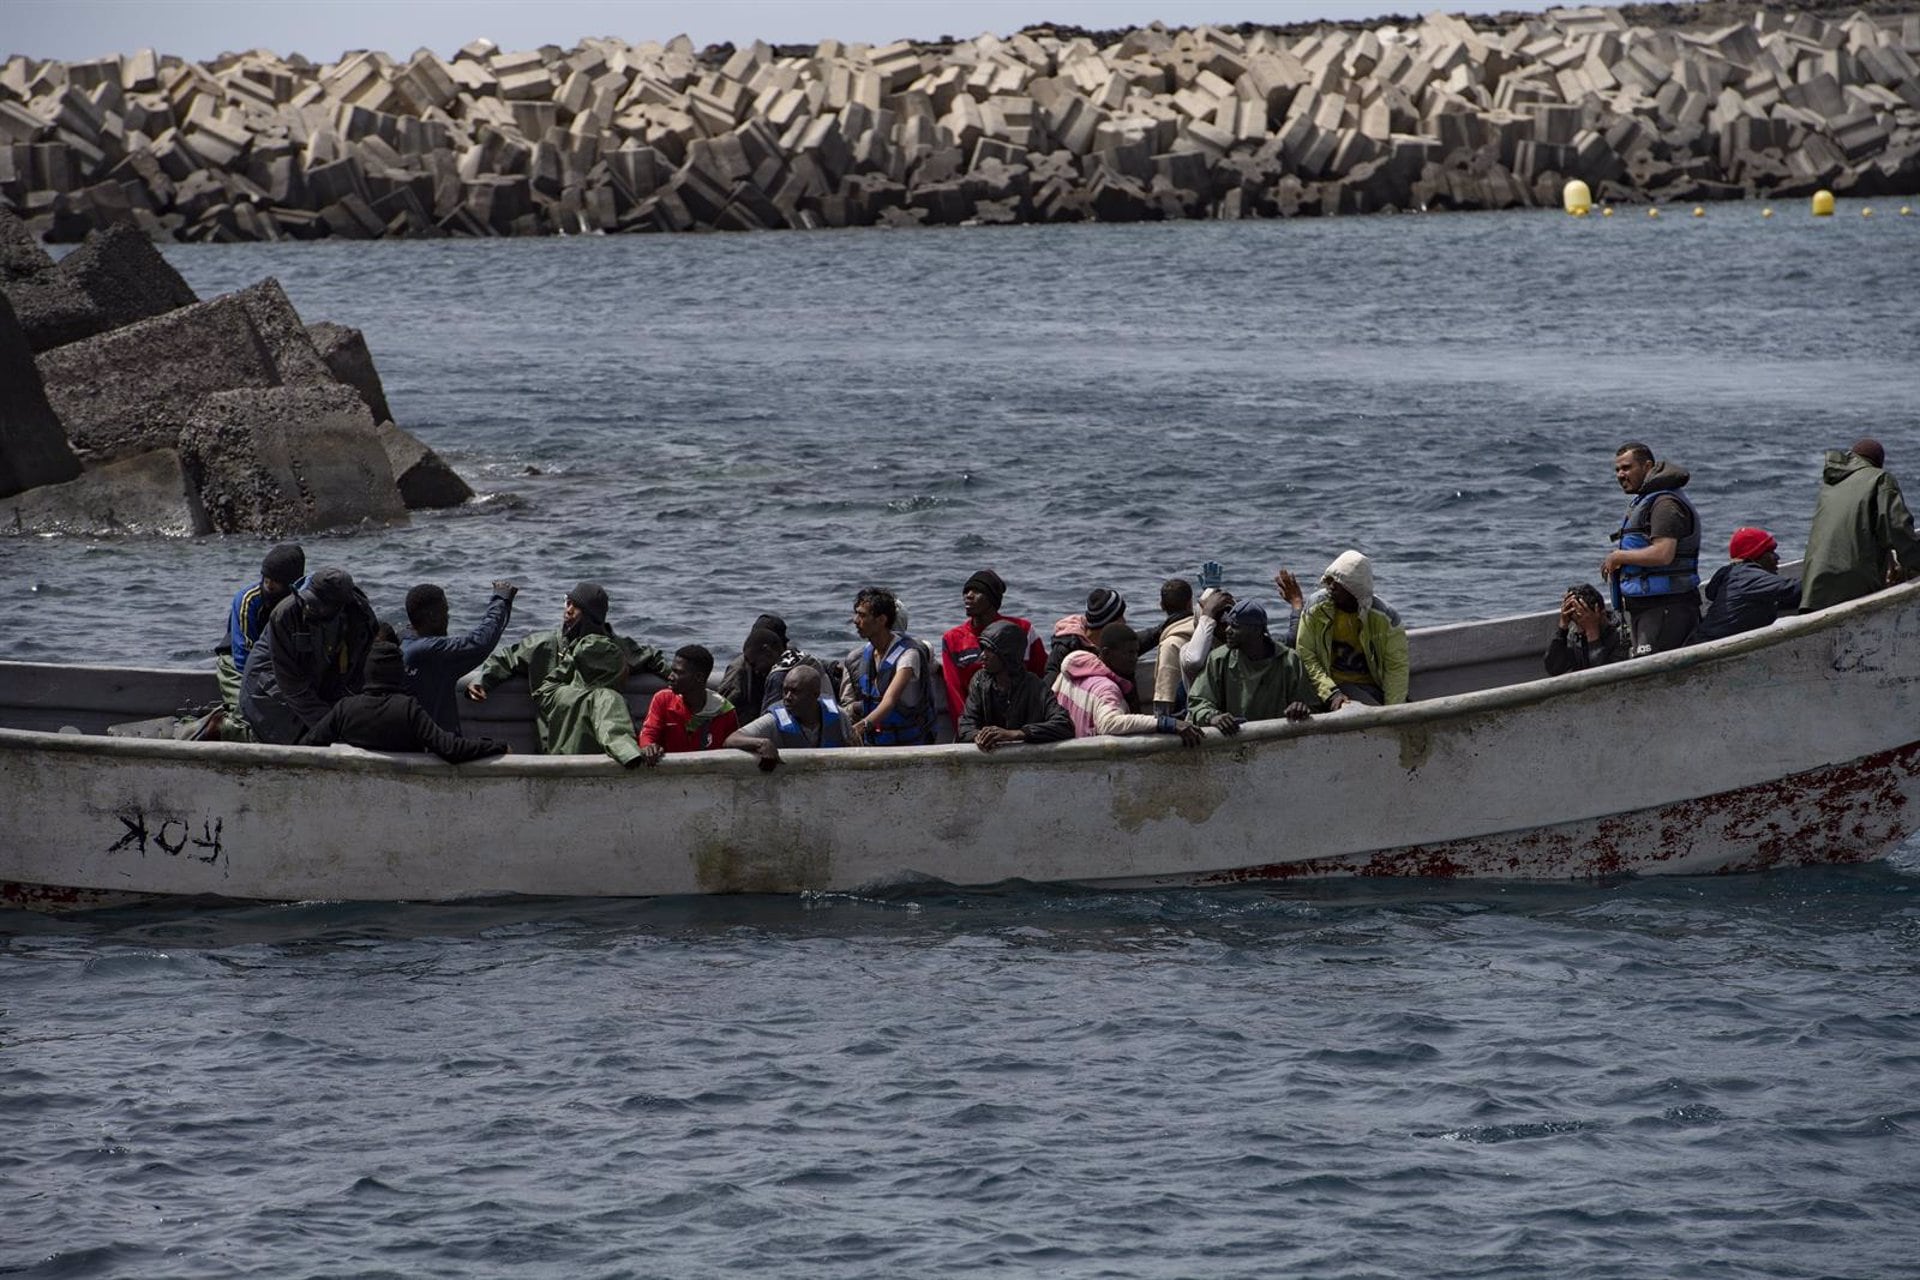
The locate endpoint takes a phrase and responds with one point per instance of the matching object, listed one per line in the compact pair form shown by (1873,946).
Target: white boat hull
(1798,744)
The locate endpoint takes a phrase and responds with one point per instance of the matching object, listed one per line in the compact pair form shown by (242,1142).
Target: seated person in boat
(435,660)
(890,676)
(1208,634)
(312,654)
(1349,633)
(1080,632)
(753,680)
(805,717)
(247,615)
(686,715)
(579,708)
(1589,634)
(1747,592)
(1006,702)
(1169,685)
(1093,686)
(1862,537)
(960,648)
(1253,678)
(385,717)
(585,614)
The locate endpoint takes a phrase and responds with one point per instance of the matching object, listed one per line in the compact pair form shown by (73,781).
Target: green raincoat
(537,655)
(579,709)
(1248,689)
(1859,518)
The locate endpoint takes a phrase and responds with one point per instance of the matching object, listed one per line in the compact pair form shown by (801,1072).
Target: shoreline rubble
(1047,125)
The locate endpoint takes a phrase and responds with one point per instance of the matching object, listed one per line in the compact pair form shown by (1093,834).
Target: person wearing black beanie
(584,615)
(961,648)
(247,615)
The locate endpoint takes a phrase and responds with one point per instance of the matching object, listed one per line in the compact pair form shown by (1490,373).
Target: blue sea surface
(1659,1078)
(1680,1078)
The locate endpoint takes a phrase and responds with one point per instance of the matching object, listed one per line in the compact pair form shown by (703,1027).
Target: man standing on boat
(312,654)
(1656,568)
(961,649)
(1862,536)
(536,656)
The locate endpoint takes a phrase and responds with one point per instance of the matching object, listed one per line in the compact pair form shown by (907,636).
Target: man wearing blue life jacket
(1655,571)
(282,569)
(803,718)
(891,675)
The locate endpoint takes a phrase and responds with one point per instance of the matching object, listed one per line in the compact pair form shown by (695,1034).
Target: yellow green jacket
(1383,643)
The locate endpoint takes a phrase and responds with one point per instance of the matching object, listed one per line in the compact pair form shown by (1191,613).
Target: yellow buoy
(1767,212)
(1823,204)
(1866,213)
(1699,211)
(1607,212)
(1576,198)
(1906,211)
(1653,213)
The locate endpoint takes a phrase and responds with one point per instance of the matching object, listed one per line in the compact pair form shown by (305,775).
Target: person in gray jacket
(312,654)
(1006,703)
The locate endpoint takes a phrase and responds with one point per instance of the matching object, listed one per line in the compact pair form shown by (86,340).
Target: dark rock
(425,481)
(125,277)
(48,308)
(135,388)
(33,448)
(149,493)
(279,460)
(345,352)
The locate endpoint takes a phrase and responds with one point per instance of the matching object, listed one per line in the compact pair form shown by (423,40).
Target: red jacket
(676,728)
(960,658)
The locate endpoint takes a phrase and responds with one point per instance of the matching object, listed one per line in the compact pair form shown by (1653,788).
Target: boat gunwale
(1355,718)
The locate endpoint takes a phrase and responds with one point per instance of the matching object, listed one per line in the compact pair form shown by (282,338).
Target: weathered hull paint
(1797,744)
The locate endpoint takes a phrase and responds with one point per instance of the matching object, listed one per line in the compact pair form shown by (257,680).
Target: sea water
(1642,1078)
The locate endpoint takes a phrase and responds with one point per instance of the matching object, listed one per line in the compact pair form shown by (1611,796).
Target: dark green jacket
(579,709)
(536,656)
(1859,518)
(1247,689)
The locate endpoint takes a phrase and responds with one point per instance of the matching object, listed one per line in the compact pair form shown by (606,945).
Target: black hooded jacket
(1028,705)
(387,718)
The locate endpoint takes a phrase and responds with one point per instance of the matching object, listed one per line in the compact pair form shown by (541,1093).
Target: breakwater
(1047,125)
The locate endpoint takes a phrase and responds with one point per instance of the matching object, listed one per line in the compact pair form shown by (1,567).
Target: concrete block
(149,494)
(33,446)
(344,351)
(124,277)
(280,460)
(425,482)
(134,388)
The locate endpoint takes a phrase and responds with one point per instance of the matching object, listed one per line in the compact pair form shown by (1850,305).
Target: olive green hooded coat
(579,708)
(1859,518)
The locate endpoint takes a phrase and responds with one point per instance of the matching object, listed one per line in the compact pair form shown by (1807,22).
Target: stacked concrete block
(33,447)
(611,136)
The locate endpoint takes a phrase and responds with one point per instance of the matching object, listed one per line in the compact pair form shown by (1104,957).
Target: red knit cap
(1749,543)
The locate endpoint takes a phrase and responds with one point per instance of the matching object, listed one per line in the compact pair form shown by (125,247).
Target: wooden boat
(1794,744)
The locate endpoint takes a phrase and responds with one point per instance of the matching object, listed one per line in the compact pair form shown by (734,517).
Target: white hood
(1354,572)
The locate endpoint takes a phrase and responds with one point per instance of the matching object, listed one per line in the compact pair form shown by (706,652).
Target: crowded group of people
(305,660)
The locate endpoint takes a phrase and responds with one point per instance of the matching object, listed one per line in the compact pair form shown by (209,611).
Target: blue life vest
(1677,577)
(904,726)
(833,726)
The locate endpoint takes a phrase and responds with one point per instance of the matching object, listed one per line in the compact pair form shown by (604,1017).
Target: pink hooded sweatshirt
(1096,699)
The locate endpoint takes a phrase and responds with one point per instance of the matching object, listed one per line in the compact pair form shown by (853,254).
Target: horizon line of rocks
(1047,125)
